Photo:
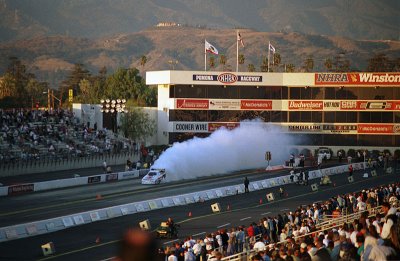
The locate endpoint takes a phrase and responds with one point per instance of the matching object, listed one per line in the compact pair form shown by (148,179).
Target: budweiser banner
(306,105)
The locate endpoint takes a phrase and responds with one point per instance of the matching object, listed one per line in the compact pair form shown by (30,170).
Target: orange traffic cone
(98,240)
(334,184)
(190,214)
(260,200)
(286,195)
(98,196)
(228,207)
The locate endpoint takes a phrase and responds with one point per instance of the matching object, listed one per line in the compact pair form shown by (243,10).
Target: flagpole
(205,56)
(237,51)
(269,44)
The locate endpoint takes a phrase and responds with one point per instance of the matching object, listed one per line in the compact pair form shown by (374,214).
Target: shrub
(352,153)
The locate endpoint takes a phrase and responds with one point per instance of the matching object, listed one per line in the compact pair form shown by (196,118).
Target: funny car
(154,176)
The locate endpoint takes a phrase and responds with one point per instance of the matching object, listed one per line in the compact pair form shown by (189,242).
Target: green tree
(78,73)
(137,125)
(124,84)
(251,67)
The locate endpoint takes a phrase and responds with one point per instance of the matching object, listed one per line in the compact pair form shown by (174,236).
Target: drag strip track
(78,243)
(60,202)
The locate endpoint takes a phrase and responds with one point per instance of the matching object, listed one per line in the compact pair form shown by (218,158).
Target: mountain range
(50,36)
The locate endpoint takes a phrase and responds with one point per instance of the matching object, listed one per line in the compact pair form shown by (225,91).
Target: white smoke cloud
(226,151)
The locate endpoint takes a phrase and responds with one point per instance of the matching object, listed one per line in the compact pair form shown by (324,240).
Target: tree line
(339,63)
(20,88)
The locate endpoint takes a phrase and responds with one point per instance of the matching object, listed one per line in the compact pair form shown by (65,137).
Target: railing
(334,222)
(65,164)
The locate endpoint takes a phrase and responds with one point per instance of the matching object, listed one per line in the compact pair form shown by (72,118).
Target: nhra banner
(373,79)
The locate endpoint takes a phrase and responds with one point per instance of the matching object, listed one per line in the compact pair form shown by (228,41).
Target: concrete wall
(70,164)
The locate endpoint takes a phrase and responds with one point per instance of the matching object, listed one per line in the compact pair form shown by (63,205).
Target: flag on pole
(210,48)
(271,48)
(240,40)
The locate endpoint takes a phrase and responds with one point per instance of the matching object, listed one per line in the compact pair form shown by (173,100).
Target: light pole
(50,99)
(111,108)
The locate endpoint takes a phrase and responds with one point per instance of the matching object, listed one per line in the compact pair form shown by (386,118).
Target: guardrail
(59,223)
(71,182)
(39,166)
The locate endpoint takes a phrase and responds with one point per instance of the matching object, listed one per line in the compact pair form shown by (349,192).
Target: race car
(154,176)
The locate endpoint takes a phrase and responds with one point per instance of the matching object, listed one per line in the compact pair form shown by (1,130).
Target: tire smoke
(225,151)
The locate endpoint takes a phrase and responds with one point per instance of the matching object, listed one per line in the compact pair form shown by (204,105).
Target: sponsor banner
(370,105)
(224,104)
(94,179)
(191,104)
(197,127)
(227,78)
(306,105)
(374,79)
(111,177)
(20,189)
(229,125)
(375,128)
(340,128)
(256,105)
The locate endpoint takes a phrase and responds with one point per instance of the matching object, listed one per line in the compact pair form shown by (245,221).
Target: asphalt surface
(78,243)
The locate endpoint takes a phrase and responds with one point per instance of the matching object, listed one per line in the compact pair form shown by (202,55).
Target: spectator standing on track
(105,166)
(246,185)
(340,156)
(350,170)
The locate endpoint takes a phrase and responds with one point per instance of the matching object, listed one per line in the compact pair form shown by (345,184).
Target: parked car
(324,153)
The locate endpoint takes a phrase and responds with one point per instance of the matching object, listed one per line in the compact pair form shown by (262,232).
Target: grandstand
(28,136)
(304,235)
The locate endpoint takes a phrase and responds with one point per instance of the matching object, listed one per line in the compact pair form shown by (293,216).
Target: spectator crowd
(31,135)
(297,235)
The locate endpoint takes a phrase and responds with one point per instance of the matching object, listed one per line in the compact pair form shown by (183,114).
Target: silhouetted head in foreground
(138,245)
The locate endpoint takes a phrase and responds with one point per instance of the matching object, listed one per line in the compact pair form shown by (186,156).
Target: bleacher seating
(34,135)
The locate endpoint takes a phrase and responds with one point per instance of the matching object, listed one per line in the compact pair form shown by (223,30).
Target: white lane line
(224,225)
(171,241)
(266,213)
(198,234)
(285,209)
(244,218)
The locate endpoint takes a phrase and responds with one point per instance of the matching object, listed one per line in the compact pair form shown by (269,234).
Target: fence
(329,224)
(47,165)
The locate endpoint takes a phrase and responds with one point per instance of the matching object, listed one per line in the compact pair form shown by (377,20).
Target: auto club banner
(322,128)
(287,105)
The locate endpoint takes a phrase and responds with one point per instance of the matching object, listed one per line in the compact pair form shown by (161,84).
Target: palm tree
(211,62)
(309,64)
(250,67)
(264,65)
(328,64)
(241,59)
(290,67)
(222,61)
(277,59)
(143,60)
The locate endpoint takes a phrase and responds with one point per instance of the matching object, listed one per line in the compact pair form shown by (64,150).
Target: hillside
(356,19)
(51,57)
